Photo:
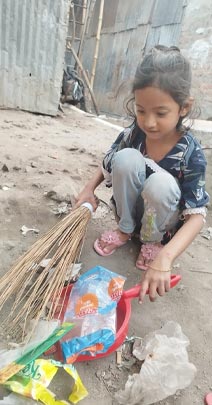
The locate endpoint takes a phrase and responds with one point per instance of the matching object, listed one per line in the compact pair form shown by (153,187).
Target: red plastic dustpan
(123,313)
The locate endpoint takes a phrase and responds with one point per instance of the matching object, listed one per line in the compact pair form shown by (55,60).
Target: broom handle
(135,291)
(87,205)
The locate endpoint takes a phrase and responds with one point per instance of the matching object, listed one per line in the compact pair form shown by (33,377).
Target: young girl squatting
(157,171)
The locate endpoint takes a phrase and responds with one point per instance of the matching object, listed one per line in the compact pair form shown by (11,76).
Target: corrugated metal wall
(32,46)
(129,29)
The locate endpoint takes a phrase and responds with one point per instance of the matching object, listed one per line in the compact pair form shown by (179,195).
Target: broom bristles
(65,239)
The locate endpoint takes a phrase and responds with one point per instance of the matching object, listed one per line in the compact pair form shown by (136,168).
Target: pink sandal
(208,399)
(111,238)
(149,252)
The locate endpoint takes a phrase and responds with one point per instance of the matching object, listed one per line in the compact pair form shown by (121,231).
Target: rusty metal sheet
(124,39)
(165,35)
(133,13)
(32,46)
(118,59)
(167,12)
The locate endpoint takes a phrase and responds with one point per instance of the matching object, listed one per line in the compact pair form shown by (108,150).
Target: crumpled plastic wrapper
(165,370)
(33,380)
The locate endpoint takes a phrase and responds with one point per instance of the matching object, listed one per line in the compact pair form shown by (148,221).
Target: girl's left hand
(155,281)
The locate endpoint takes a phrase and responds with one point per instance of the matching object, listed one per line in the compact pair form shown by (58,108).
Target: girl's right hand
(86,195)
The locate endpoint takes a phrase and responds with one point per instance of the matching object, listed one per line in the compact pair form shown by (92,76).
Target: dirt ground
(40,154)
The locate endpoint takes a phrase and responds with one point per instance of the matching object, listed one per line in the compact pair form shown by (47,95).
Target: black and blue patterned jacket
(186,162)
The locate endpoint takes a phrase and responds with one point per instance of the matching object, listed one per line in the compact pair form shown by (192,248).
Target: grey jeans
(152,203)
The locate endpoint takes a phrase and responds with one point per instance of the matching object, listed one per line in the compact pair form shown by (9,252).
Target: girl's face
(157,113)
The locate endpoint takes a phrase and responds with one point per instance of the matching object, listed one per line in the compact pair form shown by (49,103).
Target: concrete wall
(203,131)
(196,42)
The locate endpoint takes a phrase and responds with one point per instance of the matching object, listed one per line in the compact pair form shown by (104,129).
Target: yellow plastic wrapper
(33,380)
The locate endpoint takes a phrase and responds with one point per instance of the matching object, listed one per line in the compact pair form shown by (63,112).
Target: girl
(157,170)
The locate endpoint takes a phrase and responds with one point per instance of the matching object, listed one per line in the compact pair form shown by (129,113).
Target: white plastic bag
(165,370)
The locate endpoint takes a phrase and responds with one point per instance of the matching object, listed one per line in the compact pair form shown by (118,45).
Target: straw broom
(63,244)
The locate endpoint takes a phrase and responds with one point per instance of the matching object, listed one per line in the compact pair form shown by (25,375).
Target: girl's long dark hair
(167,69)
